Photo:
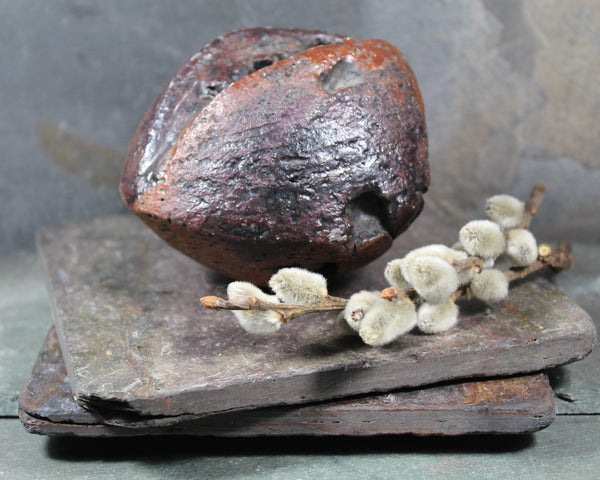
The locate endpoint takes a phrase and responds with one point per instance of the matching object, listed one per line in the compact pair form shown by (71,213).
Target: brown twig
(395,293)
(559,259)
(532,205)
(462,291)
(288,311)
(468,263)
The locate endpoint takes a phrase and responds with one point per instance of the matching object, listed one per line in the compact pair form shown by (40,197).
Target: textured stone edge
(501,406)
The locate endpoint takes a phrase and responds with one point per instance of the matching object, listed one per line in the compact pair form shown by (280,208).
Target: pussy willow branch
(287,310)
(532,205)
(475,263)
(558,259)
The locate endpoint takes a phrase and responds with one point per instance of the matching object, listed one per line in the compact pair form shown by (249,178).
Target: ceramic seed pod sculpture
(273,148)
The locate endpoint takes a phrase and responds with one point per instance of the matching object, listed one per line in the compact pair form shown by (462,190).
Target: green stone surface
(567,449)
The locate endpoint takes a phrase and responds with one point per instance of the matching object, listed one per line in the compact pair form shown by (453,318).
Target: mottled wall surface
(511,88)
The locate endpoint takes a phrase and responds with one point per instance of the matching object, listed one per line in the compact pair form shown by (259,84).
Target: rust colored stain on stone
(273,147)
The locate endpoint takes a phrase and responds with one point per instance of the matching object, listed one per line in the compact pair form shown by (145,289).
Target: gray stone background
(512,91)
(511,88)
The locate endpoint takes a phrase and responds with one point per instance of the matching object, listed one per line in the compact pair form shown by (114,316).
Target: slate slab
(505,406)
(137,344)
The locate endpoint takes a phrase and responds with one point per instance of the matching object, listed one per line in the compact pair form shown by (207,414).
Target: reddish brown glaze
(318,158)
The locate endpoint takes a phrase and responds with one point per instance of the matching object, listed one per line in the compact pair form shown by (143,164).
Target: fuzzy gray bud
(505,210)
(482,238)
(521,247)
(358,305)
(393,274)
(434,279)
(254,321)
(490,285)
(436,250)
(297,285)
(385,321)
(437,318)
